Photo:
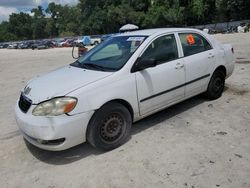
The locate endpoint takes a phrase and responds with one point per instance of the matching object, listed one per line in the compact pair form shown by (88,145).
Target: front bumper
(69,130)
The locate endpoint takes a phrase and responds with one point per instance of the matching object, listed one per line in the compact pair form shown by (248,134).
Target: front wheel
(216,85)
(109,127)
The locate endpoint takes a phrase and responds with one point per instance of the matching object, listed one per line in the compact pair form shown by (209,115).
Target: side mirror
(142,63)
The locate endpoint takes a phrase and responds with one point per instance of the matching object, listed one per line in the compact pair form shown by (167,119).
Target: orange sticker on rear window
(190,39)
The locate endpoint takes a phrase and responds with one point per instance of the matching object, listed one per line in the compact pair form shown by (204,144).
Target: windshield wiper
(99,67)
(90,65)
(76,64)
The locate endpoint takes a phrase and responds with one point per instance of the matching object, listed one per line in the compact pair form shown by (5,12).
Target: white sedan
(124,79)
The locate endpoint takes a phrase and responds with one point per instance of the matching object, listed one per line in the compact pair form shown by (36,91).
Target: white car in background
(124,79)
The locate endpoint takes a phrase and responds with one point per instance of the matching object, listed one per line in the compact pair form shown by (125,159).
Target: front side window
(162,49)
(193,43)
(111,55)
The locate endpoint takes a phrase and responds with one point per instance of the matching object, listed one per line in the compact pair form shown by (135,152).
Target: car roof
(149,32)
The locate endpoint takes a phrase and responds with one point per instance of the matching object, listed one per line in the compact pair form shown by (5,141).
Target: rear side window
(193,43)
(162,49)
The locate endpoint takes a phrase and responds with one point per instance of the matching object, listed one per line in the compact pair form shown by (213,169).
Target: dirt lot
(195,144)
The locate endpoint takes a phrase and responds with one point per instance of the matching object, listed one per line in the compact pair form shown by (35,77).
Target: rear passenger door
(198,56)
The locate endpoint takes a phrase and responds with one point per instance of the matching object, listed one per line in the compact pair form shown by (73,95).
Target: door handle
(179,66)
(211,56)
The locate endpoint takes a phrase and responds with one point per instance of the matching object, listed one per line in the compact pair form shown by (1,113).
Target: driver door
(163,84)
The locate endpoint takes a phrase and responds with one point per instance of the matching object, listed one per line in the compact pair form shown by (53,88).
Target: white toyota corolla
(122,80)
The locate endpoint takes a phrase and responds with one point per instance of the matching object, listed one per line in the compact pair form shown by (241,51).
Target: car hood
(60,82)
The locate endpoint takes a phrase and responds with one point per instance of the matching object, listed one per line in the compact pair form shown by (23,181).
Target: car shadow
(85,150)
(166,114)
(63,157)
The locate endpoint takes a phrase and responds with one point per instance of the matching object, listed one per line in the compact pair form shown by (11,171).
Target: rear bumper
(69,131)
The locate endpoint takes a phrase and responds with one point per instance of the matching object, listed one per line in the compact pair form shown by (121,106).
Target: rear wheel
(109,127)
(216,85)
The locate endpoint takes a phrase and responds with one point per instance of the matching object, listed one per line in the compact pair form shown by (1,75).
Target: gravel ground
(195,144)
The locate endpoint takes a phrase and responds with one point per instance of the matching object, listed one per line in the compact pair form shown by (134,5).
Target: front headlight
(55,107)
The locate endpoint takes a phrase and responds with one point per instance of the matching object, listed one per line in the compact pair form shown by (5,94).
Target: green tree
(38,23)
(5,35)
(163,14)
(107,16)
(20,25)
(232,10)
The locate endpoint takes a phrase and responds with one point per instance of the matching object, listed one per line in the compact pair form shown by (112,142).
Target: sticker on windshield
(136,39)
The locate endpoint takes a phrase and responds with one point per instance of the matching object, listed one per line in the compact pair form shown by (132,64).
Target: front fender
(95,95)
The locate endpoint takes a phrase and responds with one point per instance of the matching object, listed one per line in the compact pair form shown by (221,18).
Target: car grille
(24,103)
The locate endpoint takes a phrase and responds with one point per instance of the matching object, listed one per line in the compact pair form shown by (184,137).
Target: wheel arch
(120,101)
(221,68)
(124,103)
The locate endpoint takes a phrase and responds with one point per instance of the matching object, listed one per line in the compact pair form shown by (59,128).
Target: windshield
(111,55)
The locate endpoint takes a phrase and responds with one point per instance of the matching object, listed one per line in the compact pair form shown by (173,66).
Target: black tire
(109,127)
(216,85)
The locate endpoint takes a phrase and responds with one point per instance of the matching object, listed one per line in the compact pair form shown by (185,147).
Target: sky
(8,7)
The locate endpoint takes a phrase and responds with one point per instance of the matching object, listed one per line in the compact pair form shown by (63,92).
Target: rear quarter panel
(229,58)
(224,55)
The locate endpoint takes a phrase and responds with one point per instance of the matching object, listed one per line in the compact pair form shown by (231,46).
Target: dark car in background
(35,44)
(26,45)
(42,45)
(4,45)
(45,45)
